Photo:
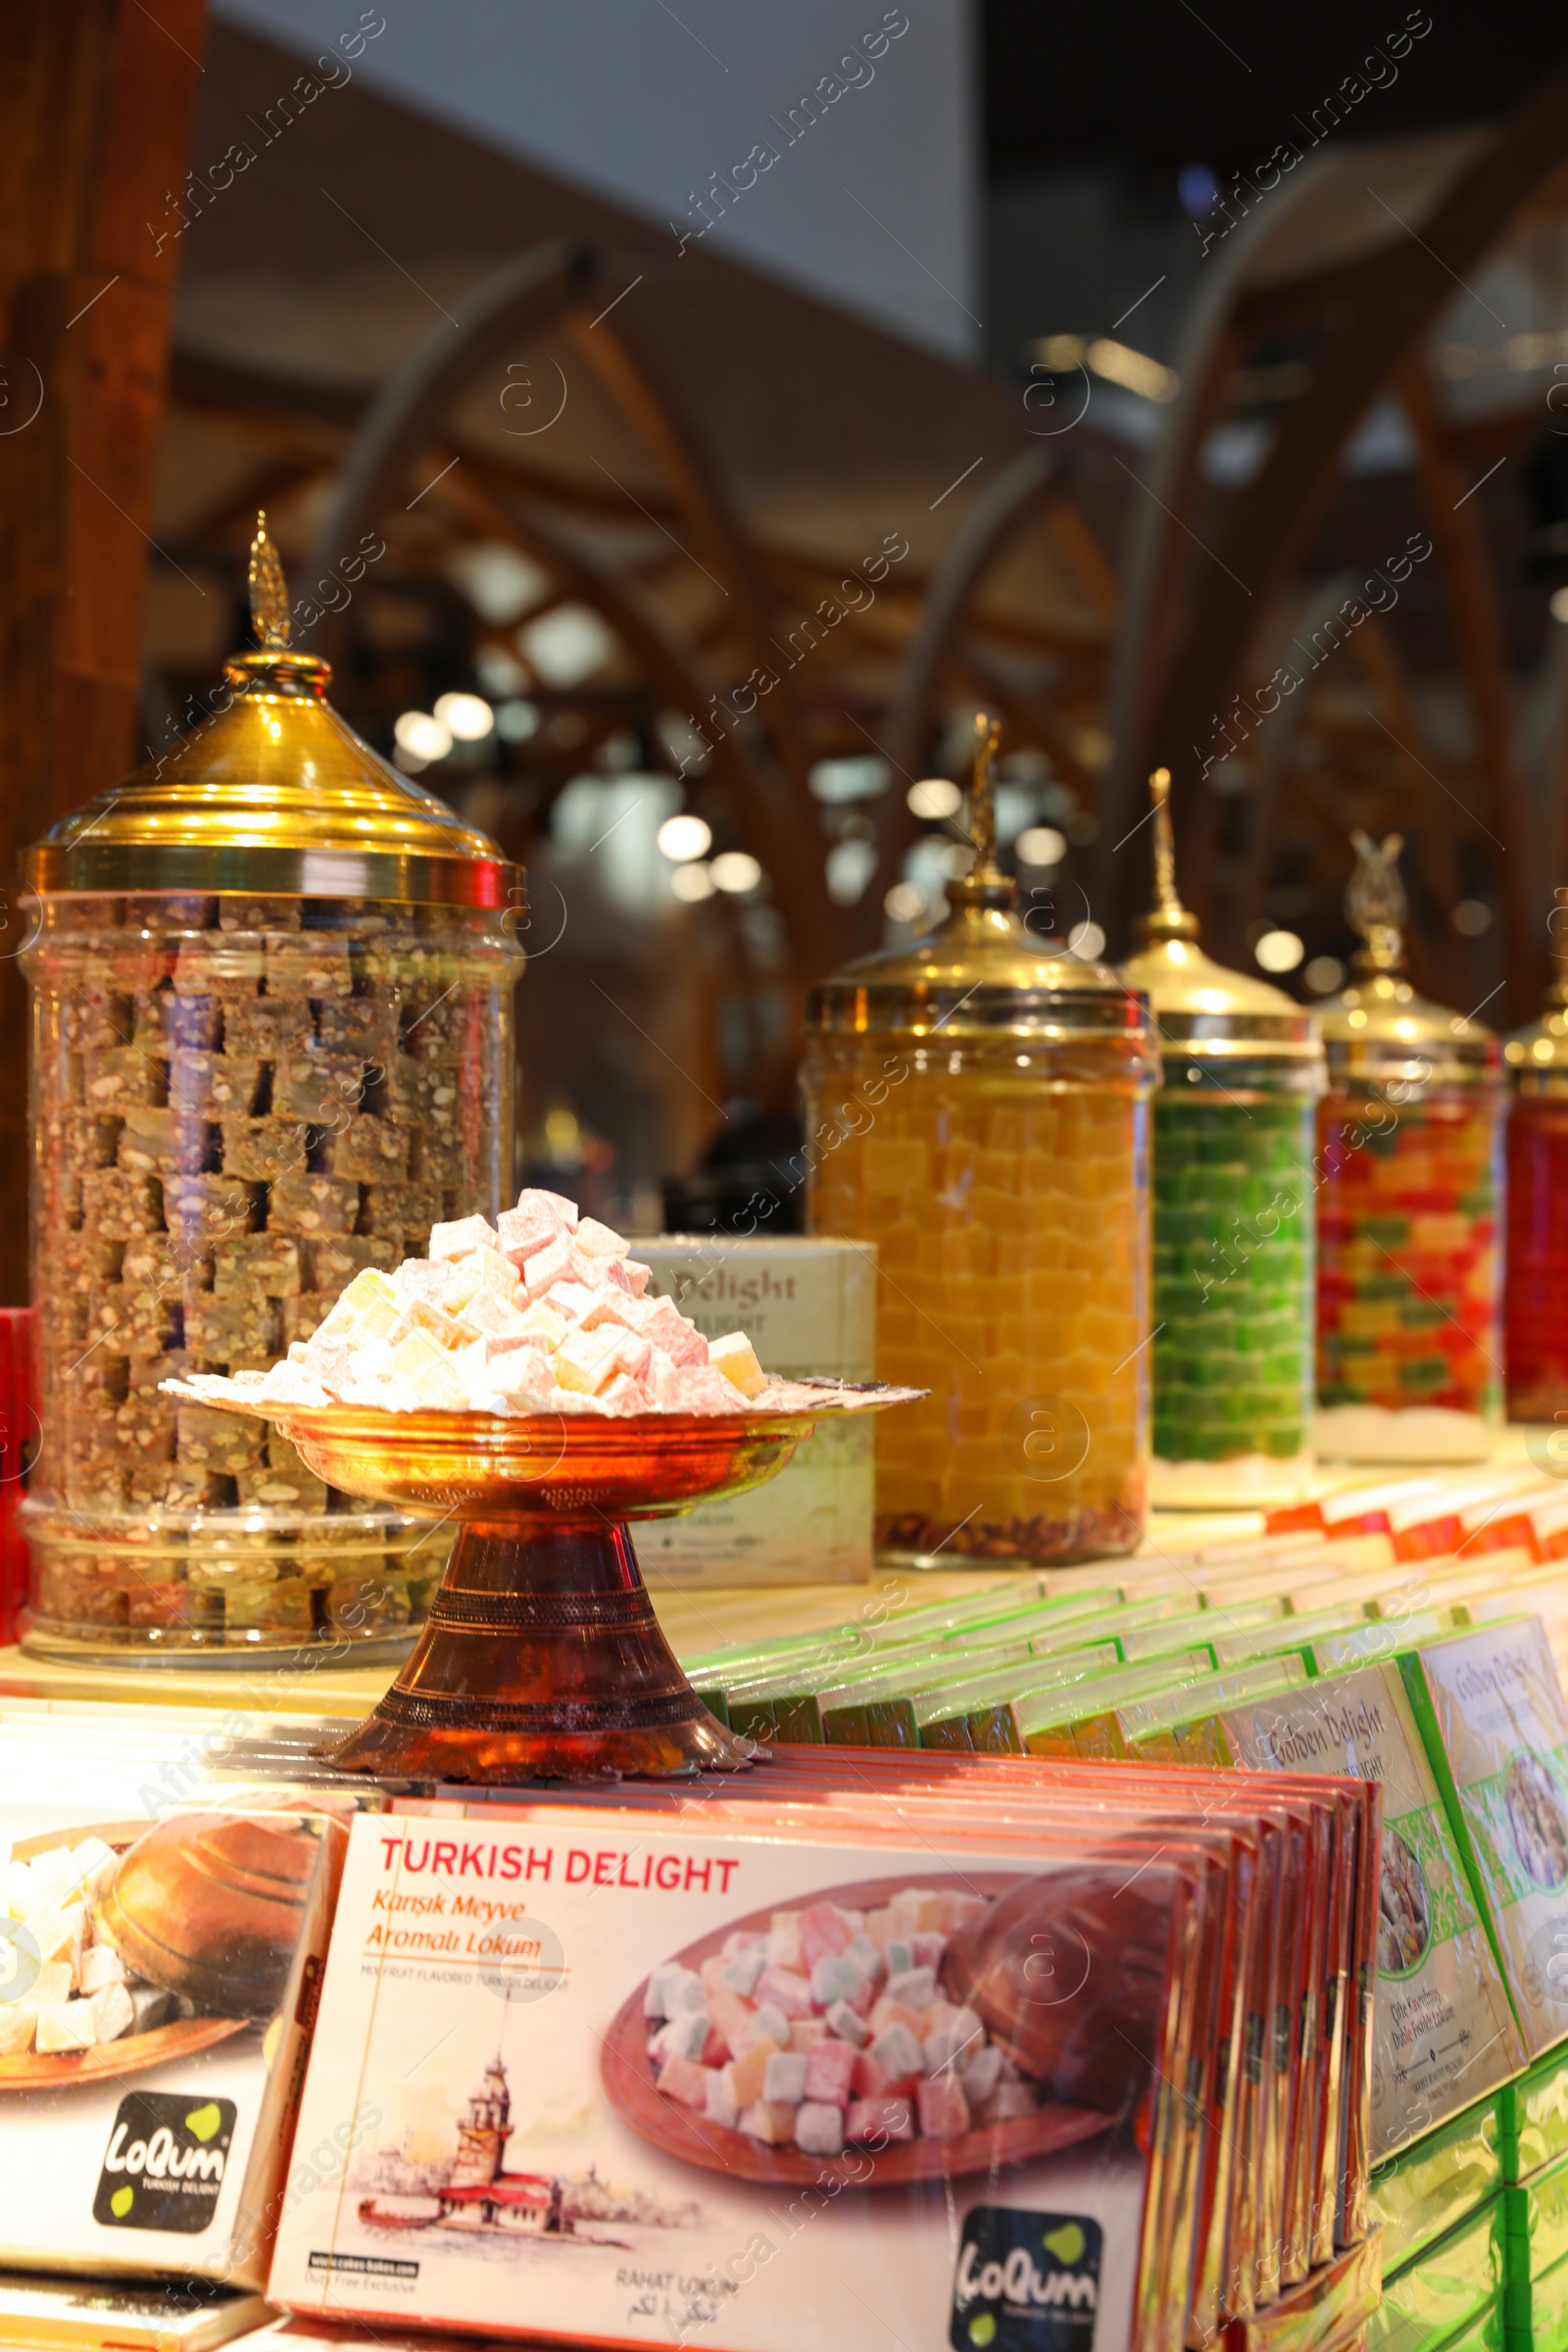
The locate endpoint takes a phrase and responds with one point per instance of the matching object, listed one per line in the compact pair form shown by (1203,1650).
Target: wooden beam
(1269,524)
(1456,522)
(95,109)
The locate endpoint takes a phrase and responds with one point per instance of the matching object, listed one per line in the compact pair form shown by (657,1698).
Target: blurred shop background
(676,422)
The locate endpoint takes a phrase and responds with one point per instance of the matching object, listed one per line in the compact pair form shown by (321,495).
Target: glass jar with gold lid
(1535,1288)
(1409,1187)
(977,1108)
(271,992)
(1233,1246)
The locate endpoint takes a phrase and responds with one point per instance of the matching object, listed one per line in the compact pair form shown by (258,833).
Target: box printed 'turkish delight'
(638,2085)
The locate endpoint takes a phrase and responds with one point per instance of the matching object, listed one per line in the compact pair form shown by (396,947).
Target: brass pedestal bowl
(542,1657)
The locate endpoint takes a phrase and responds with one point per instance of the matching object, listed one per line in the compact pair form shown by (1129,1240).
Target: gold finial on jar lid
(272,794)
(1169,920)
(1377,1028)
(269,616)
(1205,1010)
(986,968)
(1376,903)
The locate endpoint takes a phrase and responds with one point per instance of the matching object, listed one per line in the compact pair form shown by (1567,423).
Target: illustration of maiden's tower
(482,2139)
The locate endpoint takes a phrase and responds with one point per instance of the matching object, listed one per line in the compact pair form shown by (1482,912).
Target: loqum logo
(165,2164)
(1026,2281)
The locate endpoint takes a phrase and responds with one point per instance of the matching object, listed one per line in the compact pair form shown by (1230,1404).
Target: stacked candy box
(1408,1264)
(1272,2187)
(952,2220)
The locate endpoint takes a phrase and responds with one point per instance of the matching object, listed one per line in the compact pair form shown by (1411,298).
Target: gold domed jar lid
(1537,1058)
(272,795)
(1204,1011)
(1378,1028)
(983,972)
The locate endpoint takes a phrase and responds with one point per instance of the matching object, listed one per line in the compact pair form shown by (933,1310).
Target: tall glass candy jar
(271,992)
(1410,1172)
(977,1105)
(1535,1290)
(1232,1300)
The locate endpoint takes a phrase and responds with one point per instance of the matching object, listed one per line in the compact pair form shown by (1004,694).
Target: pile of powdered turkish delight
(832,2029)
(542,1312)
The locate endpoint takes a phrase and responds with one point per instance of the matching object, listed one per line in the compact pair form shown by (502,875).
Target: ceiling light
(468,715)
(691,883)
(1087,941)
(934,798)
(1279,950)
(1324,974)
(422,733)
(684,837)
(905,904)
(1133,370)
(736,871)
(1042,844)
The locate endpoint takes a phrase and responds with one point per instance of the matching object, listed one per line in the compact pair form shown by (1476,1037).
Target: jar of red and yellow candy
(1409,1189)
(1536,1296)
(977,1105)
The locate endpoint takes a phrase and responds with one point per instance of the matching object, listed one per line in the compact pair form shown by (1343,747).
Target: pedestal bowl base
(541,1659)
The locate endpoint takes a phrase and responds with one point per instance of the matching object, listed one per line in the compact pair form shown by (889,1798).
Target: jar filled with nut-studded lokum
(977,1105)
(1233,1292)
(271,1044)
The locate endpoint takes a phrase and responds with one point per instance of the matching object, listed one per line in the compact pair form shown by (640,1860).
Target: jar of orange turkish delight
(271,1045)
(977,1105)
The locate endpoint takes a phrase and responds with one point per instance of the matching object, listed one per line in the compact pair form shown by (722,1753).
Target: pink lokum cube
(824,1932)
(545,1265)
(875,2120)
(464,1234)
(872,2080)
(686,2082)
(830,2072)
(943,2109)
(665,1327)
(786,1990)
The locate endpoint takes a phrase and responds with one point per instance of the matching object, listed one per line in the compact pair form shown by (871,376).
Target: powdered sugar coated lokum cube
(769,2119)
(784,2076)
(686,2083)
(876,2120)
(830,2072)
(942,2109)
(847,2024)
(462,1234)
(736,1357)
(820,2128)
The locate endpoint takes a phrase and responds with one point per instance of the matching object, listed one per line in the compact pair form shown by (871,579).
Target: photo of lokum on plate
(896,2018)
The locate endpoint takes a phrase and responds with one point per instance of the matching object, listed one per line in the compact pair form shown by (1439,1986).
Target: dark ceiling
(1159,83)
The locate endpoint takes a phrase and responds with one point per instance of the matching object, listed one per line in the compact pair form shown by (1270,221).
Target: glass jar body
(1408,1288)
(1233,1280)
(1536,1309)
(1004,1183)
(236,1105)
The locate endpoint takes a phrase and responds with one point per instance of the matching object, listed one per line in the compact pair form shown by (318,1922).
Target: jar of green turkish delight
(1241,1071)
(272,987)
